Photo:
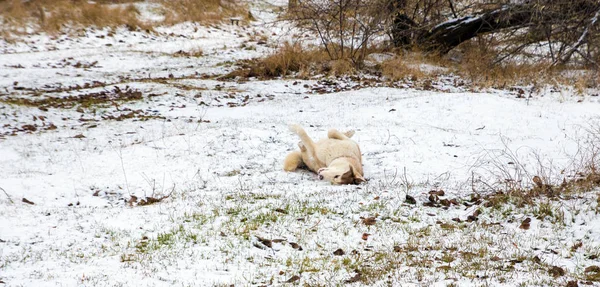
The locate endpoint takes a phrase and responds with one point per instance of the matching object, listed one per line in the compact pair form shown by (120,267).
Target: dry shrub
(342,67)
(398,69)
(476,63)
(88,14)
(290,58)
(510,180)
(204,11)
(410,66)
(478,66)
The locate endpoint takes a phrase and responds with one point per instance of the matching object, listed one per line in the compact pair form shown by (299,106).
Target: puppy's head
(340,173)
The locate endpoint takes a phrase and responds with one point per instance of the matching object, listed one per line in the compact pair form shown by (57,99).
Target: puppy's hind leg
(293,161)
(337,135)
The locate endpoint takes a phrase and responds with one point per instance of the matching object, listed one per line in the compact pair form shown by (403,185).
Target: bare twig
(8,196)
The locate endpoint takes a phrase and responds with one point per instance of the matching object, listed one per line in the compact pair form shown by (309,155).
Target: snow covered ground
(232,215)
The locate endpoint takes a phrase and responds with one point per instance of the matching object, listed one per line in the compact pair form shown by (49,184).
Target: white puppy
(336,158)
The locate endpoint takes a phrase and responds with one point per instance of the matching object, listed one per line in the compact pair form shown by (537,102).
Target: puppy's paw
(295,128)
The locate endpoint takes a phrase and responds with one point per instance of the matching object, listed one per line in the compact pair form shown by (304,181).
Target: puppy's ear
(358,178)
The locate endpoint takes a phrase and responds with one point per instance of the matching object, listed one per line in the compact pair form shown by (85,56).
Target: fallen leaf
(293,279)
(592,269)
(339,252)
(28,201)
(296,246)
(265,242)
(437,192)
(281,210)
(365,236)
(151,200)
(31,128)
(433,198)
(354,278)
(525,224)
(410,200)
(556,271)
(369,220)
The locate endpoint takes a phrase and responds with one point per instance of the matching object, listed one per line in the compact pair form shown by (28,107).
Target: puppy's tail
(292,161)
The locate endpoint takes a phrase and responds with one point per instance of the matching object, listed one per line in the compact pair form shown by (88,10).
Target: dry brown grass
(290,59)
(53,16)
(408,66)
(204,11)
(476,65)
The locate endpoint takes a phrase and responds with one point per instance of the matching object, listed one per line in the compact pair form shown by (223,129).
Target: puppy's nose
(320,177)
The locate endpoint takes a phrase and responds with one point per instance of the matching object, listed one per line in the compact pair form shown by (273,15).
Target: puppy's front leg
(307,146)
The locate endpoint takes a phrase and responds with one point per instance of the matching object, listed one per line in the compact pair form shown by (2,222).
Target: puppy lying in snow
(336,158)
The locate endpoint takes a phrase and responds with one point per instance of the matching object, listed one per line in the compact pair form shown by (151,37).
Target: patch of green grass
(233,172)
(166,240)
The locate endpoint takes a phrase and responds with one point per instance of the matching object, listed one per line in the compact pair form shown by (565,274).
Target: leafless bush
(524,175)
(345,28)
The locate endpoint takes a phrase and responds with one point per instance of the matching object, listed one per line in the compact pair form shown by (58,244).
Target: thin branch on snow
(8,196)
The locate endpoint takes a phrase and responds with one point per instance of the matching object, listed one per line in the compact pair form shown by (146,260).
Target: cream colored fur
(336,158)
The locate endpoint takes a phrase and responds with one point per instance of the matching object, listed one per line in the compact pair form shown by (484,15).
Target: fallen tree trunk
(445,36)
(563,19)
